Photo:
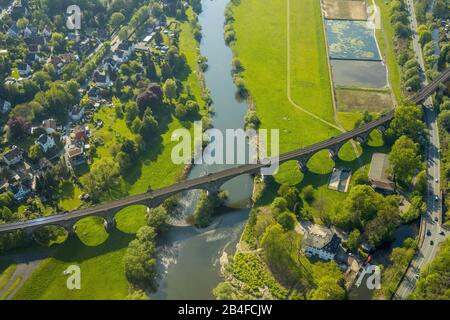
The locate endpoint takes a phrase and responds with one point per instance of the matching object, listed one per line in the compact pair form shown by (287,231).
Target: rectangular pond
(354,73)
(352,40)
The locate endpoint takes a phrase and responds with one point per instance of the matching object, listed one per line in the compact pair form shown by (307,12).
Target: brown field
(345,9)
(362,100)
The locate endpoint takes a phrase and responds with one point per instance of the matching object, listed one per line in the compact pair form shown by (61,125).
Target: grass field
(262,48)
(363,100)
(6,275)
(100,254)
(385,38)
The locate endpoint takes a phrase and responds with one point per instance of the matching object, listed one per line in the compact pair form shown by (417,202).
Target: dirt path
(26,264)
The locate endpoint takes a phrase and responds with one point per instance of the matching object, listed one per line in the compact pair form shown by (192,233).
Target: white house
(5,106)
(321,242)
(46,142)
(12,157)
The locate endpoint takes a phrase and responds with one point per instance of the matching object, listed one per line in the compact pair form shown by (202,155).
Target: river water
(189,257)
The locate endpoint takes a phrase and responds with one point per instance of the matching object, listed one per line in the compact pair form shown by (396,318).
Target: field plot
(344,9)
(363,100)
(351,40)
(363,74)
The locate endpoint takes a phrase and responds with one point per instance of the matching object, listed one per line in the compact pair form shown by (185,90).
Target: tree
(140,260)
(287,220)
(381,229)
(22,23)
(102,177)
(327,289)
(35,152)
(123,33)
(308,193)
(292,197)
(424,37)
(149,128)
(116,19)
(223,291)
(136,126)
(157,218)
(137,295)
(408,122)
(170,89)
(124,162)
(280,248)
(444,119)
(58,42)
(354,240)
(404,159)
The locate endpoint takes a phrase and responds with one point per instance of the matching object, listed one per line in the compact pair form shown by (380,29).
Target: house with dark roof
(13,31)
(102,80)
(46,142)
(12,157)
(24,69)
(379,175)
(19,190)
(76,113)
(321,242)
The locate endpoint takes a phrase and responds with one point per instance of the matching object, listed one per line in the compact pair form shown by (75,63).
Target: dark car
(431,242)
(428,233)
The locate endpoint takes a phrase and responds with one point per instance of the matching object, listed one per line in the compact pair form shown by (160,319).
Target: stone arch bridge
(212,182)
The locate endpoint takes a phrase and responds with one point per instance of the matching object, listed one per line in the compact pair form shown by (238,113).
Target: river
(189,257)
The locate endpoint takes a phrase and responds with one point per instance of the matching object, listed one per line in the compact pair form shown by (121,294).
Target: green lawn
(385,37)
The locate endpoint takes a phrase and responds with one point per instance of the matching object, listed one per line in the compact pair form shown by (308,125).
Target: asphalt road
(432,228)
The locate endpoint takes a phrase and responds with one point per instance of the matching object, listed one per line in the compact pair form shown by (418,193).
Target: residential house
(320,242)
(13,31)
(79,134)
(24,69)
(49,125)
(102,79)
(75,156)
(76,113)
(19,190)
(5,106)
(12,157)
(19,10)
(46,142)
(379,175)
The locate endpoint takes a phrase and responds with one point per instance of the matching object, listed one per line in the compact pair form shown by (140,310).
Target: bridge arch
(289,172)
(49,235)
(91,230)
(131,218)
